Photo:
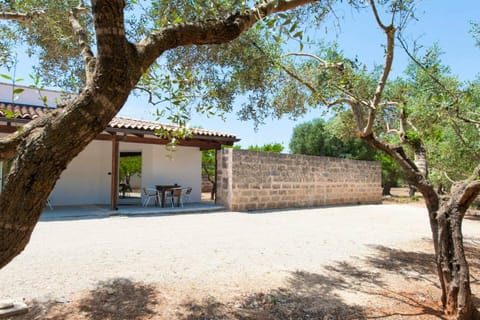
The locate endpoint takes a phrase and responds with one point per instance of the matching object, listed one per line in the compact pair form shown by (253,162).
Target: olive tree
(406,119)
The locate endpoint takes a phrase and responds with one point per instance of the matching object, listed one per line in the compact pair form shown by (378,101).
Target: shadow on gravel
(307,296)
(409,264)
(118,298)
(368,278)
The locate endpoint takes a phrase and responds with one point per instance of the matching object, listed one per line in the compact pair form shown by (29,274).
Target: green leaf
(299,35)
(5,76)
(18,90)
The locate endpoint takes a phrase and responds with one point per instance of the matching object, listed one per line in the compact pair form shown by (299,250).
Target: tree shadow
(370,280)
(409,264)
(306,296)
(118,298)
(314,295)
(354,275)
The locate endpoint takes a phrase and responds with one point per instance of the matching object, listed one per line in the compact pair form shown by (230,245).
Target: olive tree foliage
(412,120)
(209,79)
(440,112)
(103,50)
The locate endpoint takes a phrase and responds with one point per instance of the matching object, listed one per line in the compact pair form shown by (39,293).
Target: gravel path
(220,253)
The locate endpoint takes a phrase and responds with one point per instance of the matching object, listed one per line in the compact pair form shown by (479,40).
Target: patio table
(163,189)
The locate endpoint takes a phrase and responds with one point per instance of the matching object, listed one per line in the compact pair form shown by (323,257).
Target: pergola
(120,129)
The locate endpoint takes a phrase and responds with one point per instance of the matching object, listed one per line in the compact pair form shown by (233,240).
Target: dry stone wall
(249,180)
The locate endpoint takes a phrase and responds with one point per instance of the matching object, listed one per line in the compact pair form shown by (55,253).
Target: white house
(93,177)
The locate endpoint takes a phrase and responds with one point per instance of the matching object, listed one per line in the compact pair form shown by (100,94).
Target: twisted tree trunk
(446,226)
(49,143)
(454,276)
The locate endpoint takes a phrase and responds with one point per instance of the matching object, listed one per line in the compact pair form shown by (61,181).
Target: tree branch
(305,83)
(8,146)
(389,103)
(21,17)
(377,16)
(458,133)
(456,102)
(414,175)
(477,122)
(81,33)
(324,62)
(213,31)
(9,143)
(390,33)
(466,191)
(338,67)
(288,71)
(110,34)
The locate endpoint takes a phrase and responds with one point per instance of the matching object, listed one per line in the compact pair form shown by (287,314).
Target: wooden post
(1,175)
(114,175)
(215,184)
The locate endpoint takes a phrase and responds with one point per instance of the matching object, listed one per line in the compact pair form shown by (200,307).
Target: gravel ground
(223,253)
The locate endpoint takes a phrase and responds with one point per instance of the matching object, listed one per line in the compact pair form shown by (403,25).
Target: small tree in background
(128,167)
(333,138)
(208,169)
(268,147)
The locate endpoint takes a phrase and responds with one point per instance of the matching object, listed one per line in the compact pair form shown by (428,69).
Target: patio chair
(149,193)
(169,198)
(177,194)
(186,195)
(48,203)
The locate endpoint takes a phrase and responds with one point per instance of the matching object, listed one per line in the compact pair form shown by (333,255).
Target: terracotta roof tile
(22,111)
(31,112)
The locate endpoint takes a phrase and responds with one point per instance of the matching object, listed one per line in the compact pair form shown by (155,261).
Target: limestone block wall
(249,180)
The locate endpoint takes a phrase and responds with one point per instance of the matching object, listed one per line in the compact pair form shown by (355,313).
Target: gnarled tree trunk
(446,226)
(454,271)
(49,143)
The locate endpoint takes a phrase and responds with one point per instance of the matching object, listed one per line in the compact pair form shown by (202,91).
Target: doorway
(130,178)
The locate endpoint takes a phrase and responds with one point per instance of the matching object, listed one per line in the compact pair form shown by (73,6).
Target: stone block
(10,308)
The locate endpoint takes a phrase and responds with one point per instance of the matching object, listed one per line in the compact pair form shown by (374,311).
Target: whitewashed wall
(162,167)
(86,180)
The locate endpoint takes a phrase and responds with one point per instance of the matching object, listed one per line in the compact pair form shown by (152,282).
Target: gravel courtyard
(216,254)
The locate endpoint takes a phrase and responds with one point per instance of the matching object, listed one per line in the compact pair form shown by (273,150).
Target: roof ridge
(30,112)
(198,130)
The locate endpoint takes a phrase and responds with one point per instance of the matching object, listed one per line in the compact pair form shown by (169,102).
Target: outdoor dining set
(163,195)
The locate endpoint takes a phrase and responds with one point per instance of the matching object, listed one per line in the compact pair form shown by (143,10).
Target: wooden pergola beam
(202,144)
(114,174)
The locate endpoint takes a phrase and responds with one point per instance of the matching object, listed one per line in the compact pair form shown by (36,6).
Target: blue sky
(443,21)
